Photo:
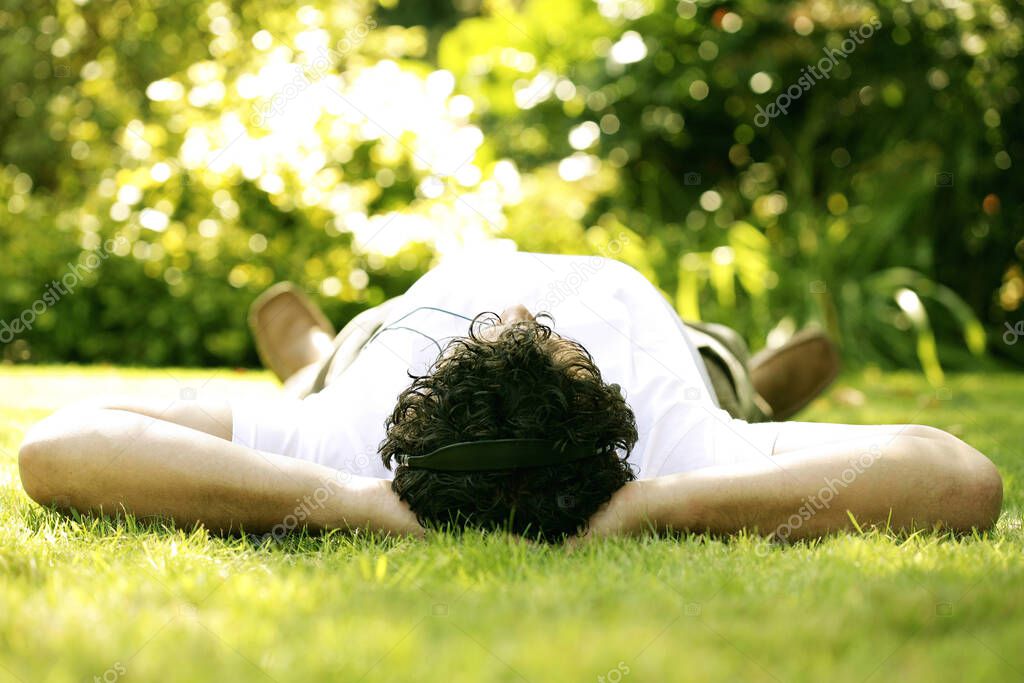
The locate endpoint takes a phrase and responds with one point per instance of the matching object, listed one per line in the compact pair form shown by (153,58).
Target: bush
(217,149)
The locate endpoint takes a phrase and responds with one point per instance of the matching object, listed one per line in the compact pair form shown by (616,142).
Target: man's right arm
(109,460)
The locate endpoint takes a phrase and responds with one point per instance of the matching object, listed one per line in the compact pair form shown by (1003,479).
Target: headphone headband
(498,454)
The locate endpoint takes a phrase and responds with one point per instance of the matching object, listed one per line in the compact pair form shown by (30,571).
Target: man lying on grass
(605,416)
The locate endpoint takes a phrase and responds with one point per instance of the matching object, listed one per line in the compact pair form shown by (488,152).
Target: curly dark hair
(527,383)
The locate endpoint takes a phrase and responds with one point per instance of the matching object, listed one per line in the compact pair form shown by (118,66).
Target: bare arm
(909,476)
(109,459)
(212,416)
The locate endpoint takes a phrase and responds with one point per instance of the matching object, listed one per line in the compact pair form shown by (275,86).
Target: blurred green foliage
(171,159)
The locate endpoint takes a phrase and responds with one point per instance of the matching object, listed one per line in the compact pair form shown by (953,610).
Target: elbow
(35,457)
(43,461)
(975,486)
(983,488)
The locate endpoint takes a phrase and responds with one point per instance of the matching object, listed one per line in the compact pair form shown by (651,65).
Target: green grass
(92,599)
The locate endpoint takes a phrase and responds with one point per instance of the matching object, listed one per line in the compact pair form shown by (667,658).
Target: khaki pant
(724,352)
(727,358)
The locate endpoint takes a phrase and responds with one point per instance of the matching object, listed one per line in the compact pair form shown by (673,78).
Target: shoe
(291,332)
(794,374)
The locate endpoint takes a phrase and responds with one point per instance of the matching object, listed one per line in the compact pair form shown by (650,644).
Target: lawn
(90,600)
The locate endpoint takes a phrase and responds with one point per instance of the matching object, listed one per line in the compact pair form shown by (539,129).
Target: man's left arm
(911,477)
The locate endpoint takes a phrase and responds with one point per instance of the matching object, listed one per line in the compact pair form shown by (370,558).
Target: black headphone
(499,454)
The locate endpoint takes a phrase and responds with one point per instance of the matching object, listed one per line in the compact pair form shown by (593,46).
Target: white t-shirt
(633,334)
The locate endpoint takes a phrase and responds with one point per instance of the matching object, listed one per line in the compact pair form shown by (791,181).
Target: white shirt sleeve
(273,426)
(733,441)
(691,436)
(314,429)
